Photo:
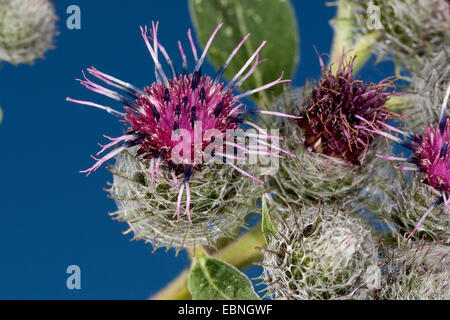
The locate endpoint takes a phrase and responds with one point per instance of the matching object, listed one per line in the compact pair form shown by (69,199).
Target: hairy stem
(343,29)
(240,253)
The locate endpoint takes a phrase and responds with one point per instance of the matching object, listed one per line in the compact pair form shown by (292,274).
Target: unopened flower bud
(321,253)
(27,29)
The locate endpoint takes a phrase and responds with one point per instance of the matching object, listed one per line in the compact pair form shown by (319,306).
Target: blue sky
(51,215)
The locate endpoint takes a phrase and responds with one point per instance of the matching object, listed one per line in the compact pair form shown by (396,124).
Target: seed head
(325,168)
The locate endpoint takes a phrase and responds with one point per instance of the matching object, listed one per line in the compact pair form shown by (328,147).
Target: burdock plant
(430,160)
(321,253)
(334,152)
(182,176)
(175,127)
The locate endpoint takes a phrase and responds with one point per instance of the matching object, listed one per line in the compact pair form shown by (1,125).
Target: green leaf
(212,279)
(271,20)
(266,224)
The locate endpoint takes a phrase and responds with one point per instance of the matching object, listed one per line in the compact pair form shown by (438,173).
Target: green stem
(342,32)
(240,254)
(343,39)
(397,103)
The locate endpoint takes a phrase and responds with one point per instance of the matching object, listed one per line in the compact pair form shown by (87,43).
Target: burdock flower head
(334,154)
(27,29)
(175,127)
(333,120)
(321,253)
(430,157)
(399,196)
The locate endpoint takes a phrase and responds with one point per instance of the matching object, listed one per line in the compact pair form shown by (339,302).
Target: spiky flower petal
(321,253)
(27,29)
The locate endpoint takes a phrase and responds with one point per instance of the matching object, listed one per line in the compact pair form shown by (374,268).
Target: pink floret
(434,163)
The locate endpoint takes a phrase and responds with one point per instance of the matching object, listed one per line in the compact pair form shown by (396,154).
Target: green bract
(321,253)
(221,198)
(416,271)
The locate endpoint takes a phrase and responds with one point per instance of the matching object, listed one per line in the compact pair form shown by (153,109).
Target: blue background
(51,215)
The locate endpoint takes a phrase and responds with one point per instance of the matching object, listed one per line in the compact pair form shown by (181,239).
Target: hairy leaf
(212,279)
(271,20)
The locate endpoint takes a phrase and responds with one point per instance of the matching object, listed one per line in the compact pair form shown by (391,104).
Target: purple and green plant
(315,242)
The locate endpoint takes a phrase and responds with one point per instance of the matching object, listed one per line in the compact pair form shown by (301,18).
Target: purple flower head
(185,105)
(431,156)
(332,119)
(431,152)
